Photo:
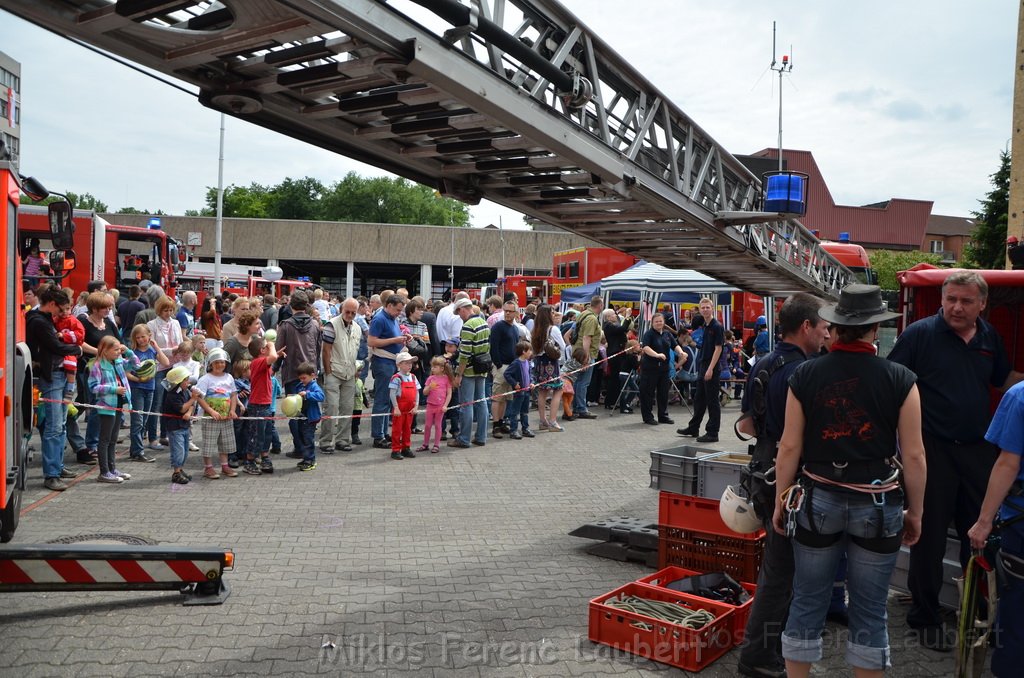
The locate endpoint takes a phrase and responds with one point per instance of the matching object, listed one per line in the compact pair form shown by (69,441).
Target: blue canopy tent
(584,293)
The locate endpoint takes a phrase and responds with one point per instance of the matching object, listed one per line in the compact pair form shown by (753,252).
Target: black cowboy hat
(858,305)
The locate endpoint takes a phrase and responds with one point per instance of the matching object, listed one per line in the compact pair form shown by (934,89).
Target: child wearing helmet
(179,402)
(220,402)
(143,390)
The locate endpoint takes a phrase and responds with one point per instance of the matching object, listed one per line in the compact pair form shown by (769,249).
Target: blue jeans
(853,516)
(142,401)
(580,388)
(258,441)
(304,441)
(155,424)
(178,443)
(472,388)
(54,435)
(383,370)
(518,411)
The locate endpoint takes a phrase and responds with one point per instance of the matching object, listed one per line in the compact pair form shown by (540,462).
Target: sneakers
(251,468)
(585,415)
(515,435)
(87,457)
(397,456)
(233,461)
(326,450)
(211,473)
(192,447)
(568,417)
(408,453)
(342,447)
(226,470)
(496,431)
(179,478)
(306,465)
(142,457)
(479,443)
(293,455)
(275,450)
(55,484)
(527,433)
(266,466)
(155,445)
(543,426)
(67,473)
(455,442)
(554,427)
(356,440)
(381,443)
(122,475)
(708,438)
(110,478)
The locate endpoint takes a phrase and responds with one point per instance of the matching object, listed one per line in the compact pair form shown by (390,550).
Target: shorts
(218,437)
(501,388)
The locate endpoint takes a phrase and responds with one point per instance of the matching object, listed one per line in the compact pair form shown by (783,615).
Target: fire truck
(120,255)
(584,265)
(16,366)
(242,280)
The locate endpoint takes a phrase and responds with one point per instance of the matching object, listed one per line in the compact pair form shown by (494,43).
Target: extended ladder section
(515,101)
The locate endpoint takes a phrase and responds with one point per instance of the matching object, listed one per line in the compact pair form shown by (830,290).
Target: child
(570,371)
(451,354)
(219,401)
(70,331)
(519,378)
(438,390)
(312,395)
(631,366)
(178,405)
(257,446)
(110,387)
(404,390)
(143,390)
(275,394)
(359,404)
(183,357)
(242,427)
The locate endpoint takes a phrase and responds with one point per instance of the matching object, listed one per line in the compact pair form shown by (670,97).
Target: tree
(987,248)
(85,201)
(240,201)
(887,263)
(133,210)
(296,199)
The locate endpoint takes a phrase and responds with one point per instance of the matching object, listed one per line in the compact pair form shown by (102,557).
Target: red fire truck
(241,280)
(120,255)
(584,265)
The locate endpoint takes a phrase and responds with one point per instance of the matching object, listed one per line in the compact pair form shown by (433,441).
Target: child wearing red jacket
(70,331)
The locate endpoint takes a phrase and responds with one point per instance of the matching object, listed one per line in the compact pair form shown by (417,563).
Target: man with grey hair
(341,339)
(957,356)
(449,324)
(187,312)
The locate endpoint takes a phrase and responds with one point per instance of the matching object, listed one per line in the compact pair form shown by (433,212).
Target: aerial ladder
(516,101)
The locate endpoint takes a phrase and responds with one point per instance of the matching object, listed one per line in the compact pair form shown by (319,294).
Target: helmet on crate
(737,512)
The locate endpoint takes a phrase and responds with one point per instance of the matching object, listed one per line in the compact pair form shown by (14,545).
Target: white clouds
(908,99)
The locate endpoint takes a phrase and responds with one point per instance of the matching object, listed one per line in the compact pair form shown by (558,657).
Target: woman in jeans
(848,415)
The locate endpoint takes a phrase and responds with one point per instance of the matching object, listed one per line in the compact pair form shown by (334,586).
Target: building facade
(10,105)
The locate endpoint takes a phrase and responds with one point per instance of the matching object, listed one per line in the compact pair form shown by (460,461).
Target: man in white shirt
(449,324)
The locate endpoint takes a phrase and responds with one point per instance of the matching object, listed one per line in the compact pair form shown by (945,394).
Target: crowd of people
(854,454)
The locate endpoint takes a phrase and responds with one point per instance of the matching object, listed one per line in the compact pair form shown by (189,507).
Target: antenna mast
(785,66)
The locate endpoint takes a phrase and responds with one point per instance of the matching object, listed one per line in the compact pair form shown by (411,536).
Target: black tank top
(851,402)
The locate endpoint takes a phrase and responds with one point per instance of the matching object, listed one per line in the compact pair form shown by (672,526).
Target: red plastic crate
(660,641)
(740,613)
(738,555)
(694,513)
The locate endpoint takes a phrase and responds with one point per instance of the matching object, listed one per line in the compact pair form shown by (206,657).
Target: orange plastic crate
(661,641)
(739,556)
(694,513)
(740,613)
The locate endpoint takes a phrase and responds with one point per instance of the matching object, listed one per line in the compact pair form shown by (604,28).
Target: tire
(9,516)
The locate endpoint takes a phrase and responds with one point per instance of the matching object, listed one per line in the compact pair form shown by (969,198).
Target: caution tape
(200,417)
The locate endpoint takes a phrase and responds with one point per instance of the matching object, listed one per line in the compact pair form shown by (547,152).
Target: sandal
(435,449)
(423,448)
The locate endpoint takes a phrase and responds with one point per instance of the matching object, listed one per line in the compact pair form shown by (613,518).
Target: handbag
(552,350)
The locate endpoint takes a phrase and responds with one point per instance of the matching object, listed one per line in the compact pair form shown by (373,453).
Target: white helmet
(215,355)
(737,512)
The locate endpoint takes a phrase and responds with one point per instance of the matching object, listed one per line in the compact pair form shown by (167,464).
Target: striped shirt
(475,339)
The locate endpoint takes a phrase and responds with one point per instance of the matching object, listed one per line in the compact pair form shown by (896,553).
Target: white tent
(654,280)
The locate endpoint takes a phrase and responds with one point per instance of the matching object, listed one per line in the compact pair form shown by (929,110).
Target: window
(574,269)
(561,270)
(937,247)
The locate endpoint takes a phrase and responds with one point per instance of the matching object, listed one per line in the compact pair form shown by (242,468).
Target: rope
(878,487)
(672,613)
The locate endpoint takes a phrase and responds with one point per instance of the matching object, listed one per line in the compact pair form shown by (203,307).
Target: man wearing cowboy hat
(957,356)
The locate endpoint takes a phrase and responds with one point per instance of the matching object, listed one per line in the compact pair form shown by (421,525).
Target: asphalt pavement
(454,564)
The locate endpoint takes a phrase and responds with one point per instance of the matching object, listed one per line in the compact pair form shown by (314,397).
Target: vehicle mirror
(62,262)
(62,228)
(34,189)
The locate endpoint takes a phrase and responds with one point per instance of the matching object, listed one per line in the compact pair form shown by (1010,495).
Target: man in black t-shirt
(707,387)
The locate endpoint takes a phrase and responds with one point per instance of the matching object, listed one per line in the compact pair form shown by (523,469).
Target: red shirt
(259,377)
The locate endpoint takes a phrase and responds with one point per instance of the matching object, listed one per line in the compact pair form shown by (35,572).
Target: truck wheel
(9,516)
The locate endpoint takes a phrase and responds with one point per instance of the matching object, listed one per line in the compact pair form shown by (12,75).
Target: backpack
(574,333)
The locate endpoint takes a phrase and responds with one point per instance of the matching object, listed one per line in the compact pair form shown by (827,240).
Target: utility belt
(849,475)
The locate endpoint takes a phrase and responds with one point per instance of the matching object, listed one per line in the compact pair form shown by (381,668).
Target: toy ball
(291,406)
(146,369)
(270,335)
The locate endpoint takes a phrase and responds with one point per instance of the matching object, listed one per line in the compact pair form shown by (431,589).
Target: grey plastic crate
(716,472)
(674,469)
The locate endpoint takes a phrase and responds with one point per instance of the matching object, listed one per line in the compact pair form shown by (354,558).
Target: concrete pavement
(455,564)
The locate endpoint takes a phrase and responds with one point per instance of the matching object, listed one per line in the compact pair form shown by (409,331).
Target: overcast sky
(908,99)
